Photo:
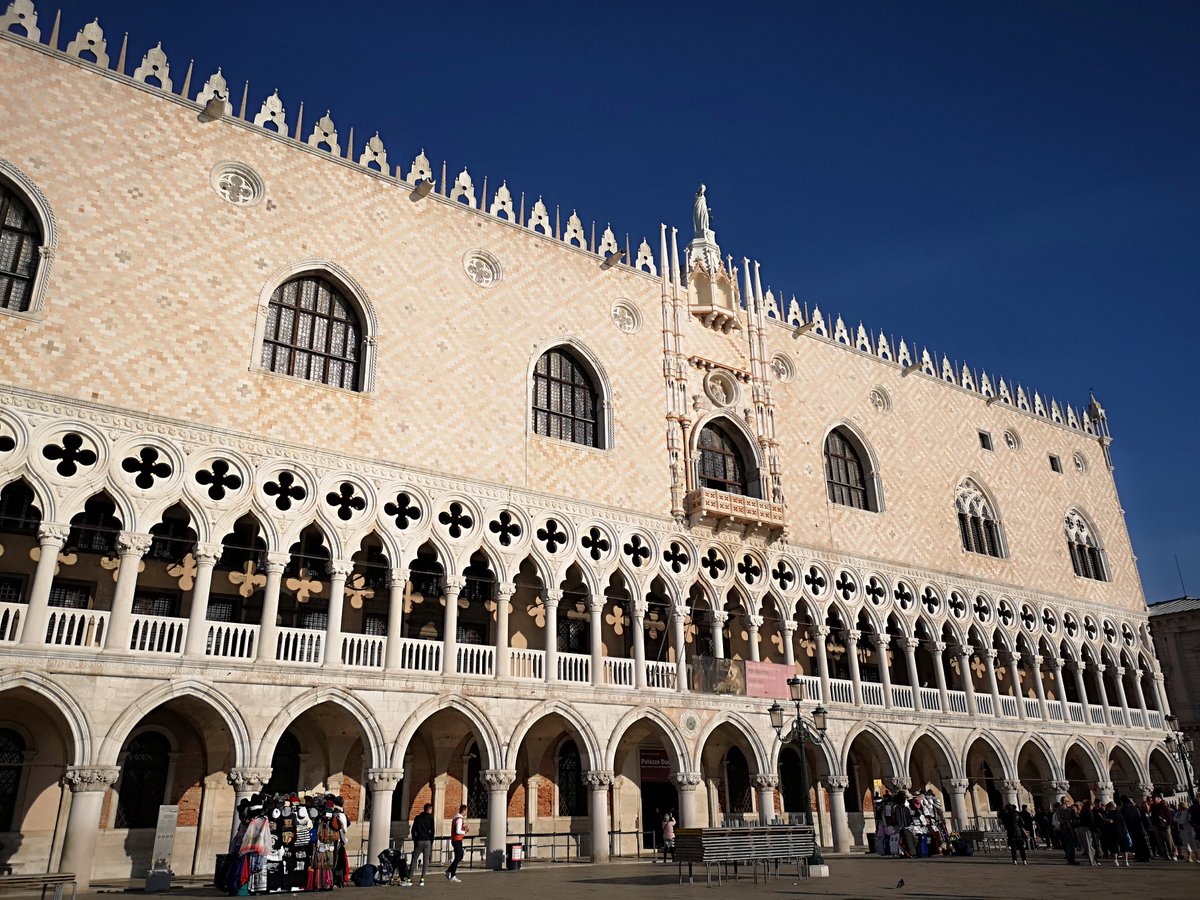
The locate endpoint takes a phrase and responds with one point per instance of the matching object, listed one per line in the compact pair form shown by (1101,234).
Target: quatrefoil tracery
(904,596)
(595,543)
(456,520)
(783,575)
(845,585)
(505,527)
(875,590)
(219,478)
(346,500)
(403,510)
(70,453)
(286,489)
(815,581)
(636,550)
(146,467)
(676,557)
(749,569)
(552,536)
(713,563)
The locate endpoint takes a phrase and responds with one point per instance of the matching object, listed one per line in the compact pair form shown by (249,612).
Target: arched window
(977,524)
(285,766)
(722,465)
(565,401)
(1087,556)
(572,798)
(737,783)
(143,780)
(845,479)
(12,760)
(20,238)
(475,791)
(313,333)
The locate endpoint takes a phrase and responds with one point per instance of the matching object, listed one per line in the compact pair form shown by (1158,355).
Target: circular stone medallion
(483,268)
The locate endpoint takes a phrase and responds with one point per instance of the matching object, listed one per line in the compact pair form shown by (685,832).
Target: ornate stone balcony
(748,511)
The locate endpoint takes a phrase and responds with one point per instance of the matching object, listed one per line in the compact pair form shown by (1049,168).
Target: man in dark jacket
(422,838)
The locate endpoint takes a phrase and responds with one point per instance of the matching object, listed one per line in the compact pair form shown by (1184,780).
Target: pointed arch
(725,455)
(585,382)
(21,200)
(1085,545)
(373,738)
(673,740)
(880,738)
(994,744)
(119,731)
(583,731)
(939,740)
(65,703)
(1036,741)
(851,468)
(475,716)
(763,761)
(1099,766)
(979,523)
(43,497)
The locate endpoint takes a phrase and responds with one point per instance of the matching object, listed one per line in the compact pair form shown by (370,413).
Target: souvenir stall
(910,825)
(287,843)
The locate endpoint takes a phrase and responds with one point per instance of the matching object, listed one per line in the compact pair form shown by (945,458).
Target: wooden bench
(56,880)
(985,840)
(767,845)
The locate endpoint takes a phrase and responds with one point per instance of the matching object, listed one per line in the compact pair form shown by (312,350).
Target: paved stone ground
(991,876)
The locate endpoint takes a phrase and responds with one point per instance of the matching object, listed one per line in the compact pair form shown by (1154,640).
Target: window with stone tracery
(565,401)
(722,466)
(977,523)
(1087,556)
(12,763)
(20,238)
(572,796)
(313,333)
(845,481)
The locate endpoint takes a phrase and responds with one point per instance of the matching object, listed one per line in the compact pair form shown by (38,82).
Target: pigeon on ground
(900,883)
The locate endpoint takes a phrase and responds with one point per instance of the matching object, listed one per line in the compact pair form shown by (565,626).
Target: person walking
(1010,819)
(1083,833)
(422,838)
(1027,827)
(1115,834)
(458,831)
(1138,841)
(1188,818)
(1064,829)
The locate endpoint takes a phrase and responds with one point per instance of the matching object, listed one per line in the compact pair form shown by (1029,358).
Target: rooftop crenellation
(215,101)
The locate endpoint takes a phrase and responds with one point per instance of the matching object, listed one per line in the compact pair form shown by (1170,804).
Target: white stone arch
(1099,766)
(939,739)
(1160,752)
(599,376)
(1080,527)
(1141,767)
(43,497)
(72,504)
(1052,759)
(152,515)
(823,748)
(746,442)
(332,540)
(997,747)
(973,496)
(674,740)
(957,632)
(81,741)
(583,730)
(853,435)
(36,201)
(225,523)
(372,733)
(350,289)
(121,729)
(708,591)
(763,761)
(891,753)
(480,724)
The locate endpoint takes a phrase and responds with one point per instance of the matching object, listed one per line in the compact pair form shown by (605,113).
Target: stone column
(957,789)
(910,656)
(679,639)
(1104,791)
(852,659)
(598,782)
(552,597)
(1013,660)
(397,582)
(504,594)
(1160,692)
(1077,669)
(839,823)
(719,619)
(989,660)
(885,675)
(753,623)
(765,786)
(1035,665)
(1011,791)
(339,571)
(821,634)
(596,636)
(968,680)
(638,624)
(245,781)
(498,782)
(131,547)
(206,556)
(87,784)
(382,784)
(787,629)
(51,538)
(1141,698)
(690,810)
(207,846)
(268,629)
(1060,689)
(1098,668)
(453,588)
(939,675)
(1143,791)
(1121,698)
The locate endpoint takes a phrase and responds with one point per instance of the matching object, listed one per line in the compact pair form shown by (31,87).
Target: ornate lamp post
(802,731)
(1180,746)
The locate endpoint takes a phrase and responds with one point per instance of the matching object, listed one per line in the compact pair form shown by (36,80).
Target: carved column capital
(911,644)
(89,779)
(852,638)
(340,568)
(384,779)
(755,622)
(837,783)
(133,543)
(398,577)
(881,641)
(765,782)
(821,632)
(207,552)
(686,781)
(720,616)
(1144,790)
(505,589)
(598,779)
(989,654)
(248,778)
(453,586)
(551,597)
(52,534)
(498,779)
(1099,667)
(1010,786)
(957,785)
(939,647)
(898,784)
(277,561)
(1060,787)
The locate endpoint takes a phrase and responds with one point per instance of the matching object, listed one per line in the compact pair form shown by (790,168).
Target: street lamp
(802,731)
(1181,746)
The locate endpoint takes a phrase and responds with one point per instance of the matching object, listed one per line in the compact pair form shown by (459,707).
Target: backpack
(364,876)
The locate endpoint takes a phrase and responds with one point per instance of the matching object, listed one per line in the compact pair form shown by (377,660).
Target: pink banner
(764,679)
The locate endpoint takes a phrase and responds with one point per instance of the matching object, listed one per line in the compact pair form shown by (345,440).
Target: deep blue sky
(1012,183)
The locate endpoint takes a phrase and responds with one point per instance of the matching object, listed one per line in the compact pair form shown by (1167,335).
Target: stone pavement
(991,876)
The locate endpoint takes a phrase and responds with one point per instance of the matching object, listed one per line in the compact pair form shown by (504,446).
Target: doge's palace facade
(324,472)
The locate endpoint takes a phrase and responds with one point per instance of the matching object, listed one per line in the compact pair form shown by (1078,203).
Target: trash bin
(513,854)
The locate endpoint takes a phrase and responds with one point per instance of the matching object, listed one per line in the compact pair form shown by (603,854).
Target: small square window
(1055,464)
(985,440)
